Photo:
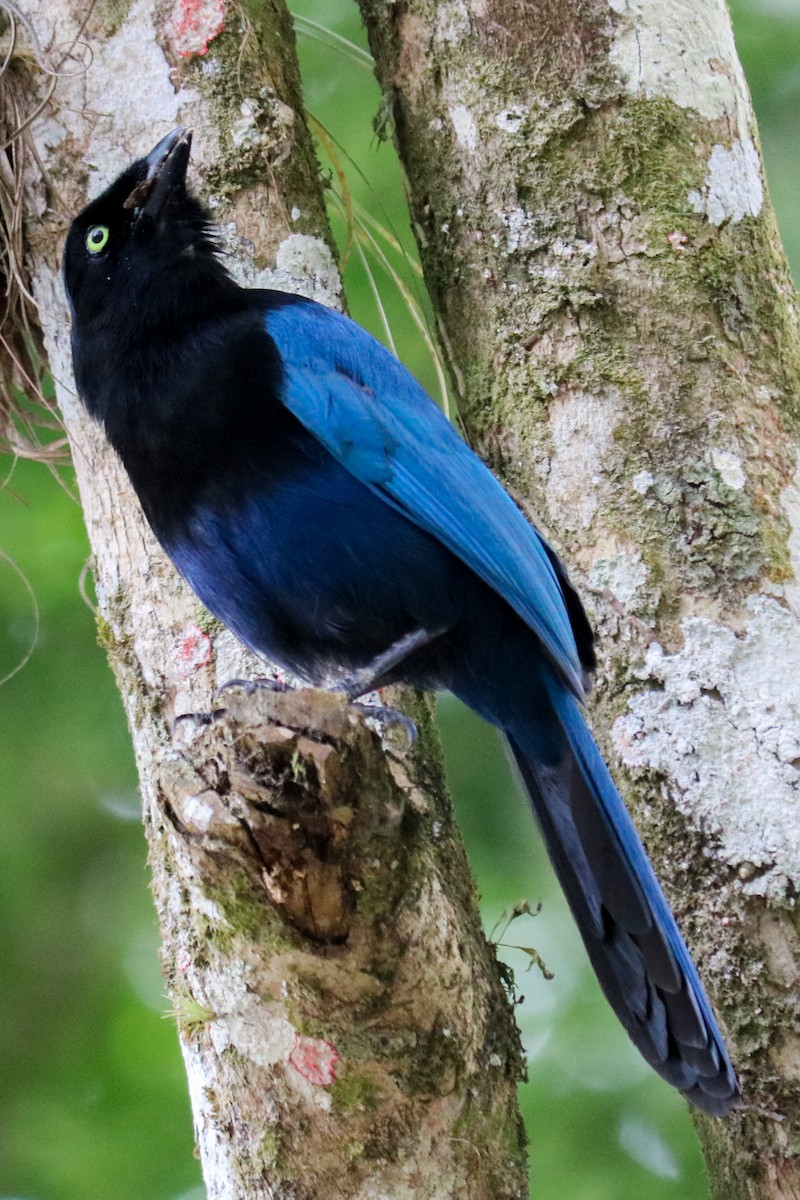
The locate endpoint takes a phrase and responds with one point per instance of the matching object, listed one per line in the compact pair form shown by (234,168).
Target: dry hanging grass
(29,424)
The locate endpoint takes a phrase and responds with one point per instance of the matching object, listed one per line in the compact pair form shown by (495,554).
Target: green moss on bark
(579,282)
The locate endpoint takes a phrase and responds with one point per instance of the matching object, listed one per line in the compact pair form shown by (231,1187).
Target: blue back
(336,377)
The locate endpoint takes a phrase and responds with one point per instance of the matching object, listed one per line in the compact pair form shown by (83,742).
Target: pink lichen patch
(315,1059)
(194,24)
(677,239)
(183,959)
(193,650)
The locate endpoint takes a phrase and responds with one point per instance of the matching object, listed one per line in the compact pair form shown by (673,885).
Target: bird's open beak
(167,164)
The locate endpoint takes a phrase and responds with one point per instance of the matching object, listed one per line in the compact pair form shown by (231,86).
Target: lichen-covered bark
(335,1004)
(593,222)
(341,1017)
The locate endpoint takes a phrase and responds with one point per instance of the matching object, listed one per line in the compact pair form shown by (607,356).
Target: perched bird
(321,505)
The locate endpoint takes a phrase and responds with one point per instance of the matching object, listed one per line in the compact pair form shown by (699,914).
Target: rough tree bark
(587,190)
(341,1016)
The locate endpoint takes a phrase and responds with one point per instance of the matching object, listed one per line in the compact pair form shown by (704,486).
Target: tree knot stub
(293,789)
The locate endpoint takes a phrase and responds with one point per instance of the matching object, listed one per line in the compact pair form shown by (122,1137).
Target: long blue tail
(629,931)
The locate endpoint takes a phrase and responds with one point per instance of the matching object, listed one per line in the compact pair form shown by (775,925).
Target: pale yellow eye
(96,238)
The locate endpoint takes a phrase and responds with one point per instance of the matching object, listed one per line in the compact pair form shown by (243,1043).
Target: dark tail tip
(630,934)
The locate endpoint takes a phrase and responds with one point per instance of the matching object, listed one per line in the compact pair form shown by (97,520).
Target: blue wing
(377,421)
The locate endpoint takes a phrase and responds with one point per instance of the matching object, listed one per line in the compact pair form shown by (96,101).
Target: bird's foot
(388,718)
(251,686)
(190,724)
(368,678)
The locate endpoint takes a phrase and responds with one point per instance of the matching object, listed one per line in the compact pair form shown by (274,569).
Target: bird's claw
(251,686)
(388,718)
(200,719)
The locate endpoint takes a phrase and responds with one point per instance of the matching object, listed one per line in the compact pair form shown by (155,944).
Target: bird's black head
(142,254)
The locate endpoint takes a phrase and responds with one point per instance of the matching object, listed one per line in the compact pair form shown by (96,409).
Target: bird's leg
(368,678)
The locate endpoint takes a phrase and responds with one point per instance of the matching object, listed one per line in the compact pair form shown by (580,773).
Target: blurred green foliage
(92,1097)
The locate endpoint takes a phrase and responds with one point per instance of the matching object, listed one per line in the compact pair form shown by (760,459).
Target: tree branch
(341,1016)
(593,223)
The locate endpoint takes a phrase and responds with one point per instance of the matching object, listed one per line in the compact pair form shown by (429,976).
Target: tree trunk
(341,1016)
(589,199)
